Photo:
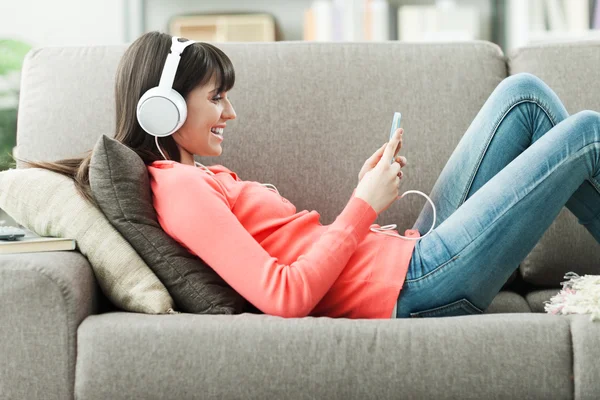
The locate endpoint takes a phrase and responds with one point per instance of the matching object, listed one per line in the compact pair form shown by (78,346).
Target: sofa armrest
(43,299)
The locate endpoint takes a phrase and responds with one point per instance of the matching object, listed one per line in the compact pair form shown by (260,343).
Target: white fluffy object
(580,295)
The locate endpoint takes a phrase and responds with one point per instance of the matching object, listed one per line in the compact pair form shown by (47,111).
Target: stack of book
(247,27)
(444,21)
(372,20)
(530,21)
(524,21)
(347,20)
(32,243)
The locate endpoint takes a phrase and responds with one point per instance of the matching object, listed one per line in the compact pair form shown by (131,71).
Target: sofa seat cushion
(508,302)
(125,356)
(536,298)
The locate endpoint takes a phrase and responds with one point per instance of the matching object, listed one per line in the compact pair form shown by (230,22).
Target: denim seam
(497,125)
(434,270)
(450,306)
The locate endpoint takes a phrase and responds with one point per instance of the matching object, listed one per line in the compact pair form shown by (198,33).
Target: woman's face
(207,110)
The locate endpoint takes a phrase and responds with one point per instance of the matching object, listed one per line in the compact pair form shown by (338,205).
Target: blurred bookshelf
(508,23)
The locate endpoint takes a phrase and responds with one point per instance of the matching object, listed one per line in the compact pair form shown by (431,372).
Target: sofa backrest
(308,113)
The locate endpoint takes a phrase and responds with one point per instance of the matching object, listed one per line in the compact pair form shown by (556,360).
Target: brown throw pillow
(121,186)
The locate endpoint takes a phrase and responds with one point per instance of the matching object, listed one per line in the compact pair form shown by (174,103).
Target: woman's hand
(374,159)
(379,186)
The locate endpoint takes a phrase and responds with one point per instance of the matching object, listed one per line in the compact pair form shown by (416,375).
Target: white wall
(63,22)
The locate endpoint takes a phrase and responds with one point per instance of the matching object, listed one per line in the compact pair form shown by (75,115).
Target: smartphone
(395,125)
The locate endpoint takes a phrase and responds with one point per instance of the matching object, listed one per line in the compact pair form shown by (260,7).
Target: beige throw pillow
(48,204)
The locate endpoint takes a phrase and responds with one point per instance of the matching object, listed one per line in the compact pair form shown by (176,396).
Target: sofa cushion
(507,301)
(120,184)
(508,356)
(586,353)
(538,298)
(48,204)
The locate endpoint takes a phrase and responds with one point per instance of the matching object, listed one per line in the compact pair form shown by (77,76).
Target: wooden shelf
(288,17)
(225,28)
(590,34)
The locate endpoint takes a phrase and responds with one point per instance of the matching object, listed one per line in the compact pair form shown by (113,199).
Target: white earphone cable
(158,146)
(385,228)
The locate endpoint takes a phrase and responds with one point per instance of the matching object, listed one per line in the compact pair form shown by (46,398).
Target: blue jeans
(522,159)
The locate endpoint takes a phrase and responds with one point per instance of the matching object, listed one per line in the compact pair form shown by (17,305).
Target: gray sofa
(309,114)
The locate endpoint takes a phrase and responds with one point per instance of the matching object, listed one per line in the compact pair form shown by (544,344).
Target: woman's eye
(217,98)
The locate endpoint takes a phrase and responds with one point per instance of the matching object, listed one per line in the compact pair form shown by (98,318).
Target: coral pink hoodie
(285,263)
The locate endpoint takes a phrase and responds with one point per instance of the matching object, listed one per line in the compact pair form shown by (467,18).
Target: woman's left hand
(374,159)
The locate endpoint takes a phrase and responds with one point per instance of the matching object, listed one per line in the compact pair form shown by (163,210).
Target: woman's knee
(525,82)
(586,130)
(588,119)
(527,86)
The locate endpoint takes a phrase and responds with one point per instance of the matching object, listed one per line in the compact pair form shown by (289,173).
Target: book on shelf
(32,243)
(438,23)
(577,15)
(568,15)
(550,20)
(244,27)
(557,15)
(537,17)
(347,20)
(378,20)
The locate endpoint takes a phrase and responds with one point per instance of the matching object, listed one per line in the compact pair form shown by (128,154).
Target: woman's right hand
(380,186)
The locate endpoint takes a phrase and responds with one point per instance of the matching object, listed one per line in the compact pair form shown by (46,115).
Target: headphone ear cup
(160,113)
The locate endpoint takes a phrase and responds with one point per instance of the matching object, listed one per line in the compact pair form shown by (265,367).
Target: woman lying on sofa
(521,160)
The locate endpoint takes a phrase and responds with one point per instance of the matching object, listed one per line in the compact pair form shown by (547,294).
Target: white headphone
(162,110)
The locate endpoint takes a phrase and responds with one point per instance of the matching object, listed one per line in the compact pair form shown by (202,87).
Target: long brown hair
(139,70)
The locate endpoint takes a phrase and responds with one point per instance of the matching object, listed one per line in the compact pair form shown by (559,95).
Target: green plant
(12,54)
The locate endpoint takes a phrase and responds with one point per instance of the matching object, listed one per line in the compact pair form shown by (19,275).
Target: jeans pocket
(454,309)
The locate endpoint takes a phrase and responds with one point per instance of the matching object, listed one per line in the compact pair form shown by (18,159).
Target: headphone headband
(170,69)
(162,110)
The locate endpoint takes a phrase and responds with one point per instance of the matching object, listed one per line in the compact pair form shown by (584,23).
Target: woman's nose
(229,113)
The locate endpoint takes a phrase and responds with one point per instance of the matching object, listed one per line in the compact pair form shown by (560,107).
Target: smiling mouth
(218,132)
